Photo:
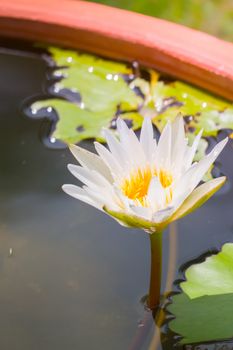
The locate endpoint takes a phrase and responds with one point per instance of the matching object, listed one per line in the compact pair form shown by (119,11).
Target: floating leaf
(204,311)
(203,319)
(94,89)
(213,276)
(91,63)
(98,93)
(214,121)
(76,124)
(97,90)
(99,82)
(201,110)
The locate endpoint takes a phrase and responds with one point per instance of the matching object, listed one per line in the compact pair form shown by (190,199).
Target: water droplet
(188,118)
(49,109)
(90,69)
(57,74)
(69,59)
(56,89)
(131,76)
(52,139)
(113,124)
(82,105)
(204,104)
(109,76)
(135,67)
(116,77)
(185,95)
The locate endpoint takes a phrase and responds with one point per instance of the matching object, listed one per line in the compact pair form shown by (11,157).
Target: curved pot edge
(185,53)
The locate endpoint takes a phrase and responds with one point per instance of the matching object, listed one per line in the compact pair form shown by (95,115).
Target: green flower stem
(156,269)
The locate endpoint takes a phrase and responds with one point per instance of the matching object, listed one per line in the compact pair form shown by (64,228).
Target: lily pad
(203,319)
(204,310)
(99,82)
(77,124)
(200,109)
(68,58)
(97,90)
(94,91)
(212,277)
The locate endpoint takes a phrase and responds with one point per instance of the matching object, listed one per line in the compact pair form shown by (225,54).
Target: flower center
(137,184)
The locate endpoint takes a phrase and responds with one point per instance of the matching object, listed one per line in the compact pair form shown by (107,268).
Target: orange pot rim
(187,54)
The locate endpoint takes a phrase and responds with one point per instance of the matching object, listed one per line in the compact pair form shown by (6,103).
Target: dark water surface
(70,276)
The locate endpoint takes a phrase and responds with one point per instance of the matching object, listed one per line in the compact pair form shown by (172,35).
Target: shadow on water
(70,277)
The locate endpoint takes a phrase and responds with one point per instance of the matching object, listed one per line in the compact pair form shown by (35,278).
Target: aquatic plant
(145,184)
(206,298)
(87,93)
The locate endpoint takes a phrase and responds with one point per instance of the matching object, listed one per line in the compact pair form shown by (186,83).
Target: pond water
(70,276)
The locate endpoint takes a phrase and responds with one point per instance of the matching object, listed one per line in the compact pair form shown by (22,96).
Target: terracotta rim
(185,53)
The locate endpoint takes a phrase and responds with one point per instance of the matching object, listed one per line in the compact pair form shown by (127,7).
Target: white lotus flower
(142,183)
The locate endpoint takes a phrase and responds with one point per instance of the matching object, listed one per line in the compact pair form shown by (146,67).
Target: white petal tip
(67,188)
(70,166)
(221,180)
(74,149)
(219,147)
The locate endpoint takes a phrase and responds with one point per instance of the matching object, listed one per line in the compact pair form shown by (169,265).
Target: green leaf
(203,110)
(200,110)
(102,89)
(75,124)
(212,277)
(214,121)
(99,82)
(68,58)
(208,318)
(204,310)
(102,93)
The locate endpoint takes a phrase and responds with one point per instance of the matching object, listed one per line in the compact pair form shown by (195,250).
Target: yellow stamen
(137,184)
(165,178)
